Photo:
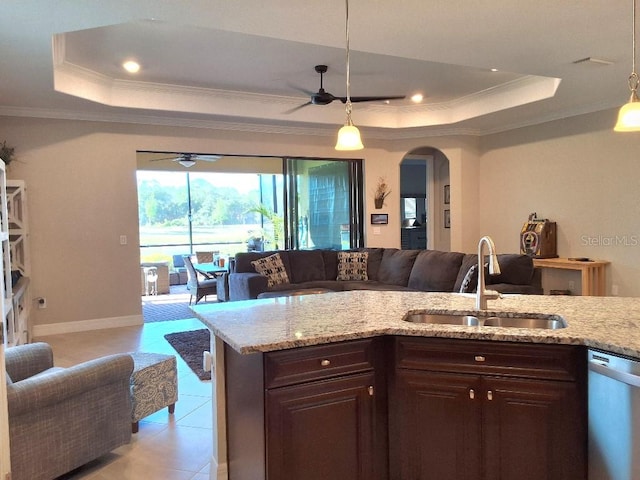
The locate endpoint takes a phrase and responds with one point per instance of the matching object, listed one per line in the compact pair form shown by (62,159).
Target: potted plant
(277,223)
(6,153)
(382,191)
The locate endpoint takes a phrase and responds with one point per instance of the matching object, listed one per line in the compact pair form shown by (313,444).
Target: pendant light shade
(629,115)
(348,135)
(349,138)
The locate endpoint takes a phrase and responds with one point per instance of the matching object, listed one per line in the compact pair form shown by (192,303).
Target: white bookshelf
(14,235)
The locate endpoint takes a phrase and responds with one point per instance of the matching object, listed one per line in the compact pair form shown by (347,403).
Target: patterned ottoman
(154,385)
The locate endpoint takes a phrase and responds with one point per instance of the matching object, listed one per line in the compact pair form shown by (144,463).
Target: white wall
(82,196)
(578,173)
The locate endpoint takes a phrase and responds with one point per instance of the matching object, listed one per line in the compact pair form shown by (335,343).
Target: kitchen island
(250,329)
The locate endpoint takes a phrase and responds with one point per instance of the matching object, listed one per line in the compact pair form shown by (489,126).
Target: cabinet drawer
(288,367)
(553,362)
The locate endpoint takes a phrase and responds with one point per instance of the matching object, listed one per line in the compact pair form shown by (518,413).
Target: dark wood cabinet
(408,408)
(434,426)
(516,411)
(322,430)
(311,413)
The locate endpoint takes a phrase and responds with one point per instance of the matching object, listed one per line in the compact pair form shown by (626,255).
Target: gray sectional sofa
(387,269)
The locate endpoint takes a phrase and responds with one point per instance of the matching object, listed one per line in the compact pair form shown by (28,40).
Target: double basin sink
(476,319)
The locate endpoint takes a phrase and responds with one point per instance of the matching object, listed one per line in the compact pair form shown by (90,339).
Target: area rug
(164,311)
(190,346)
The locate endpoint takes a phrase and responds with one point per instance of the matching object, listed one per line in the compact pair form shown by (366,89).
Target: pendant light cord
(348,102)
(633,78)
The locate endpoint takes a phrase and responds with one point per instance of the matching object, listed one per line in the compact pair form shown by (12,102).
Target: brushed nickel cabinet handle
(472,394)
(489,395)
(325,362)
(479,358)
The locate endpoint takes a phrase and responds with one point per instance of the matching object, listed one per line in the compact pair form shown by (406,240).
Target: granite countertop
(607,323)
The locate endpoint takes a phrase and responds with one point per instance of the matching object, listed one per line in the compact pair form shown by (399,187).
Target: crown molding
(389,134)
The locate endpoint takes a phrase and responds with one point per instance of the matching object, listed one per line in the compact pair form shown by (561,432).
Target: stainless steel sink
(549,322)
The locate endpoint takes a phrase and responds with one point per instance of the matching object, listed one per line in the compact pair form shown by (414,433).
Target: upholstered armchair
(62,418)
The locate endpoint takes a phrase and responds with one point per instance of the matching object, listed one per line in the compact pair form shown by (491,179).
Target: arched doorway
(425,200)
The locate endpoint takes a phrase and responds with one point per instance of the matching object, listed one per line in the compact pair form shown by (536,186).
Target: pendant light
(629,115)
(348,135)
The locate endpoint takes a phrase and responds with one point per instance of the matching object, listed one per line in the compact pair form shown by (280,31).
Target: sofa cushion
(272,268)
(306,266)
(352,266)
(515,269)
(243,261)
(396,265)
(373,262)
(435,271)
(330,258)
(373,285)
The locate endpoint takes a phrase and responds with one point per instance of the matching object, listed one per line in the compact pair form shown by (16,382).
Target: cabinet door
(435,426)
(533,429)
(322,430)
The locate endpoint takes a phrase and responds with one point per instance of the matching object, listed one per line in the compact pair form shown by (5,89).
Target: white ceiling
(248,62)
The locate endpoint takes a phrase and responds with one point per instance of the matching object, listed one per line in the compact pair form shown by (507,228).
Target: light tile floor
(167,447)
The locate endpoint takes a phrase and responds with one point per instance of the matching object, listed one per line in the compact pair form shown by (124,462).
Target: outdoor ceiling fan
(189,159)
(322,97)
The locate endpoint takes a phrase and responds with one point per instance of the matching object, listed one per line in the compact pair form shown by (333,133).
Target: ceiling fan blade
(306,92)
(295,109)
(173,157)
(207,158)
(371,99)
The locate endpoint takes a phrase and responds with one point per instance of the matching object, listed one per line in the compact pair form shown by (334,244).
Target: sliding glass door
(324,204)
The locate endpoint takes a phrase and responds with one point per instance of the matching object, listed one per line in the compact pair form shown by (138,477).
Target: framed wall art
(379,218)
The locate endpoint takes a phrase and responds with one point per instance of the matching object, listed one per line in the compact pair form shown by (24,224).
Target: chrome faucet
(482,294)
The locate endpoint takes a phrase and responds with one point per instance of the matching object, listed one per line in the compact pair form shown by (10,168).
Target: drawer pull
(370,390)
(472,394)
(325,362)
(489,395)
(479,358)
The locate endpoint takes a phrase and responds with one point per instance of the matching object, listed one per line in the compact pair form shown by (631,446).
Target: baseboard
(218,471)
(85,325)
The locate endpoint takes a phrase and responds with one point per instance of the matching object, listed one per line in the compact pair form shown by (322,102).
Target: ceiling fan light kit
(629,115)
(189,159)
(187,162)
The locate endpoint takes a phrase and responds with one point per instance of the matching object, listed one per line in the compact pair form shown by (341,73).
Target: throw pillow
(272,268)
(352,265)
(470,280)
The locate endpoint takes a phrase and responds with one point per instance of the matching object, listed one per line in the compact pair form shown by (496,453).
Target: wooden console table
(593,272)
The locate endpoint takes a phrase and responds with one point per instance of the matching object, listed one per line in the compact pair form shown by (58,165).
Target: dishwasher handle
(622,376)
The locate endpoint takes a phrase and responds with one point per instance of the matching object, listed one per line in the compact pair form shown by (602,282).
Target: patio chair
(206,257)
(197,287)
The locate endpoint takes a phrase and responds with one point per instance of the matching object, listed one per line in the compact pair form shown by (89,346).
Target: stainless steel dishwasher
(614,417)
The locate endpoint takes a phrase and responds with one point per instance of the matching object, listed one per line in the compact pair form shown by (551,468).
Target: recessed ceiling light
(417,98)
(131,66)
(494,69)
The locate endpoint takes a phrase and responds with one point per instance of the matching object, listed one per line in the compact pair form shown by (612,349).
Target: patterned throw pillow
(272,268)
(470,280)
(352,265)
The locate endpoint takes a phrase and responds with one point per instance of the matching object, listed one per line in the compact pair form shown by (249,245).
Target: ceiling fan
(322,97)
(189,159)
